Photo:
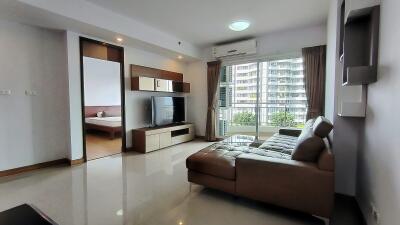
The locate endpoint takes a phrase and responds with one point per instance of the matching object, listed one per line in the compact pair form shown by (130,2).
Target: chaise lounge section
(292,169)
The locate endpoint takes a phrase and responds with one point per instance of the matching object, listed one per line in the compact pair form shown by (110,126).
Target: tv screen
(167,110)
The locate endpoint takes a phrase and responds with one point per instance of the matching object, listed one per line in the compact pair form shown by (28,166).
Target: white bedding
(105,121)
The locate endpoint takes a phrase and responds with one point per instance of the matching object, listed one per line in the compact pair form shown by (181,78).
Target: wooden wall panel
(137,70)
(101,51)
(91,111)
(94,50)
(114,54)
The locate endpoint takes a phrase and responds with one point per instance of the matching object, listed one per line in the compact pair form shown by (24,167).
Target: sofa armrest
(290,132)
(288,183)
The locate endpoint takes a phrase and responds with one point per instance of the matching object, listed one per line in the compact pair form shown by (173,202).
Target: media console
(153,138)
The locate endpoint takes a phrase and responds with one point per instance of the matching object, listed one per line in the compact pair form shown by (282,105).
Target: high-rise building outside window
(281,95)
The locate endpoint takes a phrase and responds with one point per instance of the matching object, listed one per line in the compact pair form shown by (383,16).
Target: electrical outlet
(30,93)
(374,213)
(5,92)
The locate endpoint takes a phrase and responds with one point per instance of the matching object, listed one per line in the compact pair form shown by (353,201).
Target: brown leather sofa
(292,169)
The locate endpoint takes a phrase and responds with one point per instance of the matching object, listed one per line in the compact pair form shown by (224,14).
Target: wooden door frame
(122,83)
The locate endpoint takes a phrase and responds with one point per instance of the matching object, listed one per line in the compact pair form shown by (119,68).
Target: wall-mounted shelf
(358,54)
(360,46)
(352,109)
(360,75)
(352,5)
(156,80)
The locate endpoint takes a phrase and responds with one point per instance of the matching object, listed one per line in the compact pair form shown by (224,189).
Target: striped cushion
(280,143)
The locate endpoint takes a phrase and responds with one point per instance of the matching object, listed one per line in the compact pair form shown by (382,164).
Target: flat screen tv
(167,110)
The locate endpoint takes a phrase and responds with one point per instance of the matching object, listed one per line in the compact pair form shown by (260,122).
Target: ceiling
(205,22)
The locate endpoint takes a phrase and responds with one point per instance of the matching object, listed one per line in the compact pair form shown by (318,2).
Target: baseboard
(129,149)
(352,200)
(363,216)
(24,169)
(75,162)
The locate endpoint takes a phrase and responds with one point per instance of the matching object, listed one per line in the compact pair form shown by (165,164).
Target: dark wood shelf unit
(180,132)
(147,79)
(359,53)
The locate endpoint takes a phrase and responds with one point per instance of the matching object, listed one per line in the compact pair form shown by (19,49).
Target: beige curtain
(213,73)
(314,79)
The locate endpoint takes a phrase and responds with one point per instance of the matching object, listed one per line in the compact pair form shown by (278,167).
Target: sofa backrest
(322,127)
(311,143)
(308,146)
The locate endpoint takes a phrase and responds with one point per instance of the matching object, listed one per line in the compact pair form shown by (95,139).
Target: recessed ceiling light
(120,39)
(180,57)
(120,212)
(239,25)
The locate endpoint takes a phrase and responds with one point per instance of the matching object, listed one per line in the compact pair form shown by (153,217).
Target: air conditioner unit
(238,48)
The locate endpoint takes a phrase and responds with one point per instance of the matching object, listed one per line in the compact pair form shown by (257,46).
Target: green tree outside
(283,119)
(245,119)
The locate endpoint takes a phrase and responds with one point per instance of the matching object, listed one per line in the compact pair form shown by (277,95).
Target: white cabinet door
(163,85)
(146,84)
(165,139)
(152,142)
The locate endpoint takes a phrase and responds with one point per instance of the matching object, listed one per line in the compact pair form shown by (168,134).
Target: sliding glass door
(259,97)
(238,99)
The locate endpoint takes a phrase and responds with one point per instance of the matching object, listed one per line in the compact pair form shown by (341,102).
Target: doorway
(103,99)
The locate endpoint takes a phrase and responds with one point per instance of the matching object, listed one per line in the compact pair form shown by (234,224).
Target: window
(281,95)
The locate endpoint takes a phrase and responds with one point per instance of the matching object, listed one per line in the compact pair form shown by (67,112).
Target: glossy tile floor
(140,189)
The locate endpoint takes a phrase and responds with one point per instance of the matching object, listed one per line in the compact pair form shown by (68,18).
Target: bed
(111,122)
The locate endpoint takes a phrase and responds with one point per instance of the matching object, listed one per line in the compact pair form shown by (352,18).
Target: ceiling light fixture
(120,212)
(239,25)
(120,39)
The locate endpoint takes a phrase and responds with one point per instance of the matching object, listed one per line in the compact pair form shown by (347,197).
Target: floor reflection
(136,189)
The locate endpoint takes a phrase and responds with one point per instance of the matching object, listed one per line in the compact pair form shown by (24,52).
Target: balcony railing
(241,118)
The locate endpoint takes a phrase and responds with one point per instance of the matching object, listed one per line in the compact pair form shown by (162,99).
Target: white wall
(289,41)
(196,75)
(379,156)
(278,43)
(33,129)
(102,82)
(331,63)
(74,87)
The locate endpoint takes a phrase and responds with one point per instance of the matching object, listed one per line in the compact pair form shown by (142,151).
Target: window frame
(235,60)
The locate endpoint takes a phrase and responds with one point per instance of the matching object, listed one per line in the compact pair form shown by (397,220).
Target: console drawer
(152,142)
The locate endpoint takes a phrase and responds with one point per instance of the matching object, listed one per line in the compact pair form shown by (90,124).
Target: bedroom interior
(102,90)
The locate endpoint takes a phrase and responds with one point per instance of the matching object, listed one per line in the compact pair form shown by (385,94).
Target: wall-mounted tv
(167,110)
